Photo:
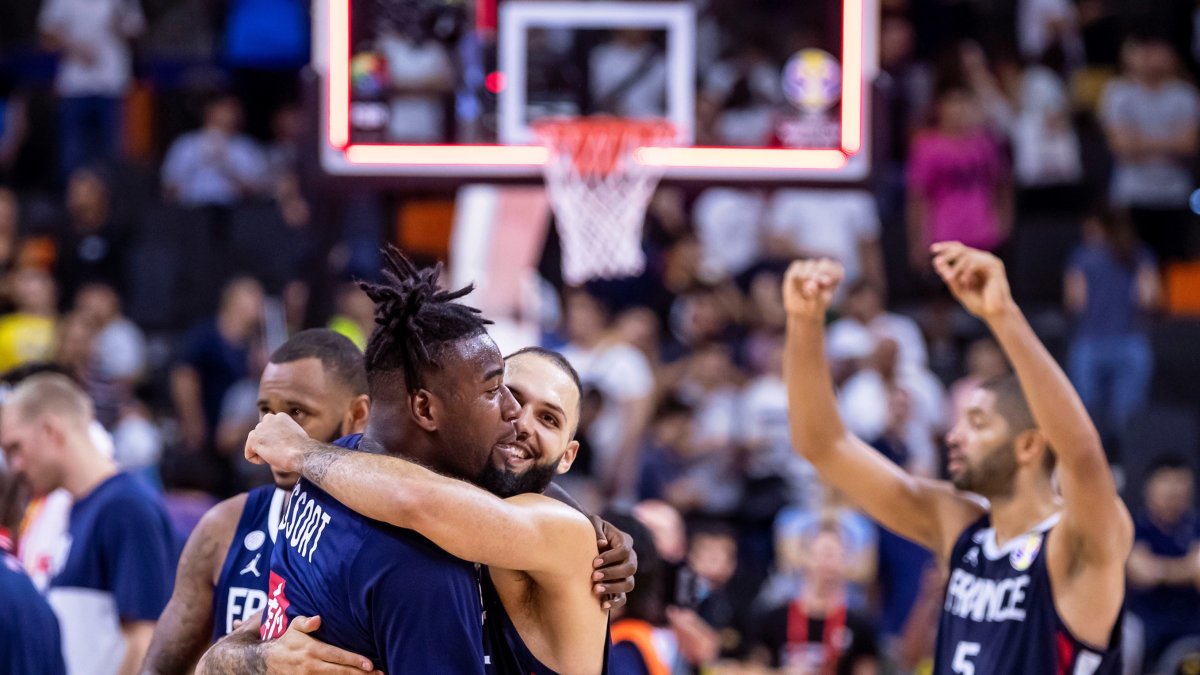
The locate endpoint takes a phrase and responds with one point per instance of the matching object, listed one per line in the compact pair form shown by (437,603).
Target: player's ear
(424,407)
(568,458)
(355,419)
(1029,446)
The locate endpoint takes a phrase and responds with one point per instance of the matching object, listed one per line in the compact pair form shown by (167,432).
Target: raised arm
(928,512)
(1094,516)
(530,533)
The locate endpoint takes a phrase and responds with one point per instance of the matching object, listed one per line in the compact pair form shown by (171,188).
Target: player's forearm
(816,426)
(458,517)
(176,645)
(239,653)
(1056,408)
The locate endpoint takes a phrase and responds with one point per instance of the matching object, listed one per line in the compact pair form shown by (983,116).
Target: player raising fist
(1036,574)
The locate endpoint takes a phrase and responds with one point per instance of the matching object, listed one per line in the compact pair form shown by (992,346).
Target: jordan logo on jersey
(252,567)
(275,621)
(978,599)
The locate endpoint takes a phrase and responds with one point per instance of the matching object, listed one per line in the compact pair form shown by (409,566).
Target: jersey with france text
(241,590)
(999,615)
(384,592)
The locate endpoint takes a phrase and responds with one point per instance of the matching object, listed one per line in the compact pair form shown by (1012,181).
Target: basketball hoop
(599,191)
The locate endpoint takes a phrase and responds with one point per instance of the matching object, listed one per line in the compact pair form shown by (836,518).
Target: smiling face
(477,411)
(549,415)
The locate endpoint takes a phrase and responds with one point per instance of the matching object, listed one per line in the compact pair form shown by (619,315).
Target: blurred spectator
(984,361)
(795,530)
(866,323)
(215,165)
(819,632)
(117,361)
(94,71)
(110,584)
(14,126)
(1111,283)
(838,224)
(1030,105)
(73,347)
(10,218)
(959,181)
(1152,117)
(739,98)
(763,425)
(421,77)
(648,636)
(28,333)
(266,43)
(622,376)
(728,222)
(120,345)
(287,138)
(710,386)
(676,470)
(628,76)
(214,357)
(1164,567)
(92,247)
(354,315)
(703,584)
(1043,25)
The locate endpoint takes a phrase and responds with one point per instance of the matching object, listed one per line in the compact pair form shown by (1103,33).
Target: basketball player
(317,379)
(1037,578)
(541,616)
(438,398)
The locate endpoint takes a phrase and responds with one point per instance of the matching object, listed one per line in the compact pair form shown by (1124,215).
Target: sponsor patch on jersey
(255,540)
(1024,555)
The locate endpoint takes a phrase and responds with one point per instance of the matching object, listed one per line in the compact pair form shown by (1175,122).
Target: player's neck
(1024,510)
(87,471)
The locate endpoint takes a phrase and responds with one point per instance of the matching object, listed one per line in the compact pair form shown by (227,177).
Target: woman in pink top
(959,180)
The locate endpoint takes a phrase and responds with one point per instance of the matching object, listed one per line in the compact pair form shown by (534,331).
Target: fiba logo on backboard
(812,83)
(812,80)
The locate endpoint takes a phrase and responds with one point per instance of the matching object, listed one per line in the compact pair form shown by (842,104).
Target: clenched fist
(279,441)
(808,288)
(976,278)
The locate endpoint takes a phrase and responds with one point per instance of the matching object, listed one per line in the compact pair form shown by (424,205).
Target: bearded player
(1037,578)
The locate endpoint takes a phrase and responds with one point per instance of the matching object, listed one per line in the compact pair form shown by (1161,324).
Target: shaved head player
(316,378)
(1037,579)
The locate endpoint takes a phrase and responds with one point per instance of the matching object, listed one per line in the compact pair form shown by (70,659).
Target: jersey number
(963,654)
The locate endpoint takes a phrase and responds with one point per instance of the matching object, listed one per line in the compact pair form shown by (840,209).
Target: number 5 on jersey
(963,653)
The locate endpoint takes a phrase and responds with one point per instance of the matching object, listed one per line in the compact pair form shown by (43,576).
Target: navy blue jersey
(29,638)
(384,592)
(116,564)
(999,617)
(241,590)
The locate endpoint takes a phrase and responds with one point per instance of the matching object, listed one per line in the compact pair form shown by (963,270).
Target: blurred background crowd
(161,230)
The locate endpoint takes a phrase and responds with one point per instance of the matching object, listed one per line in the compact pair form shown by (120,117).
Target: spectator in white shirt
(93,73)
(215,165)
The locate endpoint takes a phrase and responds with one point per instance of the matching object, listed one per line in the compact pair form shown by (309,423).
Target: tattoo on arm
(239,653)
(317,465)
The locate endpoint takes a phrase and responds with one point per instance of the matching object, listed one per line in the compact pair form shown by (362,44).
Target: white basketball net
(599,192)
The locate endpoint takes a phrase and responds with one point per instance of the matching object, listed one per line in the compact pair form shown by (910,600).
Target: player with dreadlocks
(438,401)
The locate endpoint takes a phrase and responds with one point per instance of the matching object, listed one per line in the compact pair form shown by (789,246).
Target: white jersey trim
(275,514)
(992,550)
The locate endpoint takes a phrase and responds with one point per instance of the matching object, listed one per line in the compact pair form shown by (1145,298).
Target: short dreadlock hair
(414,320)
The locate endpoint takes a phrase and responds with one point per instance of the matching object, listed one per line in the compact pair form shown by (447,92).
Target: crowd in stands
(158,268)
